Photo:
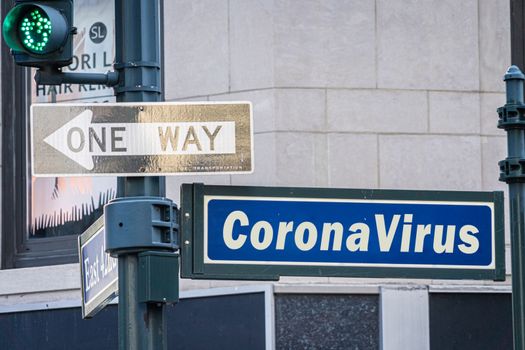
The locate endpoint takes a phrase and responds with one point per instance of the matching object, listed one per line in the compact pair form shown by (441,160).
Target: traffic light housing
(40,33)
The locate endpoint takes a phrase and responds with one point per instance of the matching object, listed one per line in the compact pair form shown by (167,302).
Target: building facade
(375,94)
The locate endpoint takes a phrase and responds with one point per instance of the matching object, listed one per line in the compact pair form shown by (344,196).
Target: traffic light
(40,33)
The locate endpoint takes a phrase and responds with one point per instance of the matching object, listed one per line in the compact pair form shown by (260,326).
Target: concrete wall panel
(301,159)
(352,160)
(196,48)
(430,162)
(452,112)
(494,43)
(251,44)
(324,43)
(428,44)
(300,110)
(377,111)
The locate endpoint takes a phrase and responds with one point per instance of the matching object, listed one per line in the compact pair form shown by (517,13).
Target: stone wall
(356,94)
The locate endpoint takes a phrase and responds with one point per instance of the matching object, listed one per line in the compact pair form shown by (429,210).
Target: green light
(35,27)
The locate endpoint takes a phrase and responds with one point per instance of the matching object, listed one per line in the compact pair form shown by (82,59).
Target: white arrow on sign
(81,140)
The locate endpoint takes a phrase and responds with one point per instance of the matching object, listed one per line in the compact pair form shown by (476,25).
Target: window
(470,321)
(42,217)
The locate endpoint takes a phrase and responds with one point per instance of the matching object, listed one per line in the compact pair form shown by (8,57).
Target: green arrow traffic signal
(39,33)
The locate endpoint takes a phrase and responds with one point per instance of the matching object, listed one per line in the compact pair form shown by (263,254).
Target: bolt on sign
(230,232)
(141,138)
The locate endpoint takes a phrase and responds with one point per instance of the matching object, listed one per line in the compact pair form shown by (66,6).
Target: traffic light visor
(35,29)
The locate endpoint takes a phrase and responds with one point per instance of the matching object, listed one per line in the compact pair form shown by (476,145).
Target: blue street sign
(268,232)
(292,231)
(99,271)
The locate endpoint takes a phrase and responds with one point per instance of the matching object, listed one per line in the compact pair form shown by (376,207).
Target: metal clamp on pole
(512,120)
(152,67)
(136,224)
(147,226)
(512,171)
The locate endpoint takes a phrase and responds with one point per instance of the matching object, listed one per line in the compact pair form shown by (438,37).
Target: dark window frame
(17,249)
(517,33)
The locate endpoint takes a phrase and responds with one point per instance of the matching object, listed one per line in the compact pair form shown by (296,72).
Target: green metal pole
(138,62)
(511,118)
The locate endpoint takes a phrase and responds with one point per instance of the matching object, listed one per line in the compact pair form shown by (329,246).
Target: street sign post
(511,119)
(264,233)
(98,270)
(141,138)
(138,62)
(77,146)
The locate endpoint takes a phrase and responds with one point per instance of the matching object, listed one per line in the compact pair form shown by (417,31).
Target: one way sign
(141,138)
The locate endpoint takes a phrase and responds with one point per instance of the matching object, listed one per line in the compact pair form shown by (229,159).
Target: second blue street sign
(264,233)
(98,270)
